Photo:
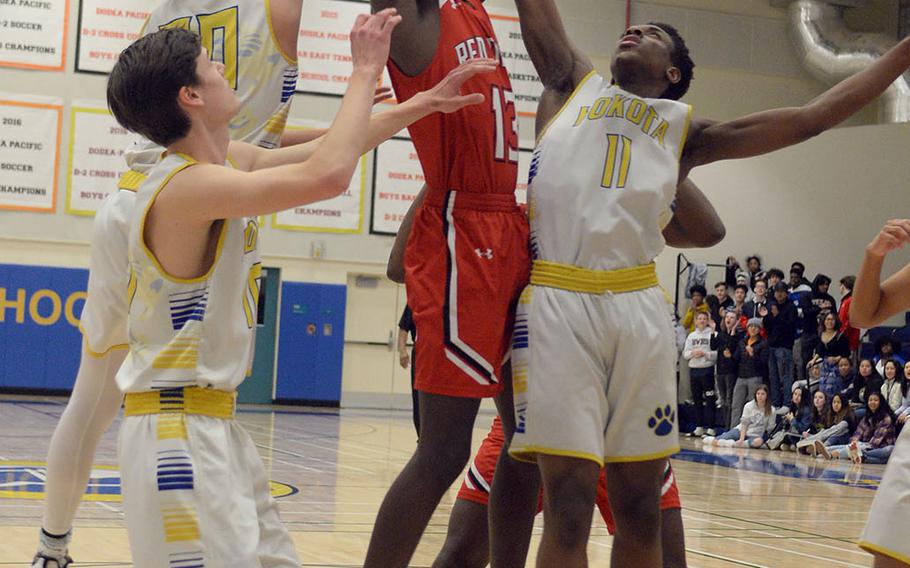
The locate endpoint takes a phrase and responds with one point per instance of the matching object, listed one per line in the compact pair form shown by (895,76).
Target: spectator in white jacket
(757,420)
(701,360)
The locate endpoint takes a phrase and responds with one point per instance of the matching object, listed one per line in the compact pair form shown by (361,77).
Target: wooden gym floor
(740,507)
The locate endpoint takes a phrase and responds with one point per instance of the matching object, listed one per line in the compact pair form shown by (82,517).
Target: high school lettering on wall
(43,307)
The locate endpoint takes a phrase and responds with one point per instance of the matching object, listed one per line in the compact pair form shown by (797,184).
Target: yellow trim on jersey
(180,523)
(685,133)
(195,400)
(98,354)
(151,255)
(643,457)
(131,180)
(577,279)
(876,549)
(565,104)
(268,18)
(529,453)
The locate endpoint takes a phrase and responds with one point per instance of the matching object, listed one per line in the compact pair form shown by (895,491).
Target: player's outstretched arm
(771,130)
(445,97)
(302,136)
(875,301)
(207,192)
(560,65)
(695,223)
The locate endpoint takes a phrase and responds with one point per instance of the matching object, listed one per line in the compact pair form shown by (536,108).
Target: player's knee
(445,463)
(569,503)
(461,556)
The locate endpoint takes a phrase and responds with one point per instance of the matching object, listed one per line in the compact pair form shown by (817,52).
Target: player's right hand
(895,234)
(371,38)
(446,95)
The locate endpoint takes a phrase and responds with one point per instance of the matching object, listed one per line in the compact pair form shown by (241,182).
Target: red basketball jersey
(476,148)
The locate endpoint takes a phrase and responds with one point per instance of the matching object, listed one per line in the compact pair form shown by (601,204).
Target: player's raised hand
(446,95)
(371,37)
(895,234)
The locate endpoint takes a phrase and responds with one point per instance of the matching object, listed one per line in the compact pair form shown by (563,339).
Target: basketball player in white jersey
(874,301)
(264,76)
(194,488)
(593,368)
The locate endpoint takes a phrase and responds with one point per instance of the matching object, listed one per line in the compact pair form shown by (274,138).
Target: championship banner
(324,46)
(343,214)
(96,161)
(397,179)
(526,84)
(107,27)
(33,34)
(29,151)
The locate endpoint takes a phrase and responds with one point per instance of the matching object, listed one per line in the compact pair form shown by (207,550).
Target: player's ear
(189,96)
(674,75)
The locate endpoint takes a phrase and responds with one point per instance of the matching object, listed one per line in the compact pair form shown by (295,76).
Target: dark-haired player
(593,373)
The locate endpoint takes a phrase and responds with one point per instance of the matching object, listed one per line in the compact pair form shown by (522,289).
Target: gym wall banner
(398,177)
(324,47)
(526,85)
(39,325)
(107,27)
(29,151)
(33,34)
(342,214)
(96,161)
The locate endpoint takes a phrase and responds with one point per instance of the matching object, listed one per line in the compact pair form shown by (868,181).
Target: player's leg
(672,538)
(92,408)
(570,486)
(515,490)
(885,534)
(634,490)
(467,543)
(443,449)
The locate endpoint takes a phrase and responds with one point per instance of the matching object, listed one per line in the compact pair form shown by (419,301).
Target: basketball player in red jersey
(467,257)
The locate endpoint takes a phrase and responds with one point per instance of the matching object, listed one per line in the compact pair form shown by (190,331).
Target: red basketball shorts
(466,264)
(479,479)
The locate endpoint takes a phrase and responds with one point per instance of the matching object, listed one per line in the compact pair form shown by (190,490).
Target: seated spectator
(885,348)
(698,305)
(893,388)
(751,358)
(875,430)
(796,417)
(724,342)
(868,380)
(819,420)
(903,411)
(843,421)
(758,418)
(701,360)
(847,378)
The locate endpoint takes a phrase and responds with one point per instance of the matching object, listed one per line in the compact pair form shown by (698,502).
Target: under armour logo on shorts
(484,253)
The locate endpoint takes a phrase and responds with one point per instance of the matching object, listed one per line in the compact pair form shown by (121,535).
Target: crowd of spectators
(775,364)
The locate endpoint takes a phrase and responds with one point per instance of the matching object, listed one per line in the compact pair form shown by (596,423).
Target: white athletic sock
(54,545)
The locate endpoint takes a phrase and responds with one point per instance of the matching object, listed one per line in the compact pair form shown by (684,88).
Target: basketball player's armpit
(415,40)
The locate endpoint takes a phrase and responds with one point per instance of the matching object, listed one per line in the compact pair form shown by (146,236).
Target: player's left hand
(895,234)
(446,95)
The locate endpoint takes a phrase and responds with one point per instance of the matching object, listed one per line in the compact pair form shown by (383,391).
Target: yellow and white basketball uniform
(239,34)
(194,488)
(594,348)
(886,527)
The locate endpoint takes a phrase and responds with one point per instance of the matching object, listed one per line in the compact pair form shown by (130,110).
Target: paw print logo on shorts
(662,420)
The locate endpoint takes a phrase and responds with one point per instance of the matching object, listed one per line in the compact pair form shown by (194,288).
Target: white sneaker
(710,432)
(707,440)
(776,440)
(725,443)
(699,432)
(43,561)
(822,450)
